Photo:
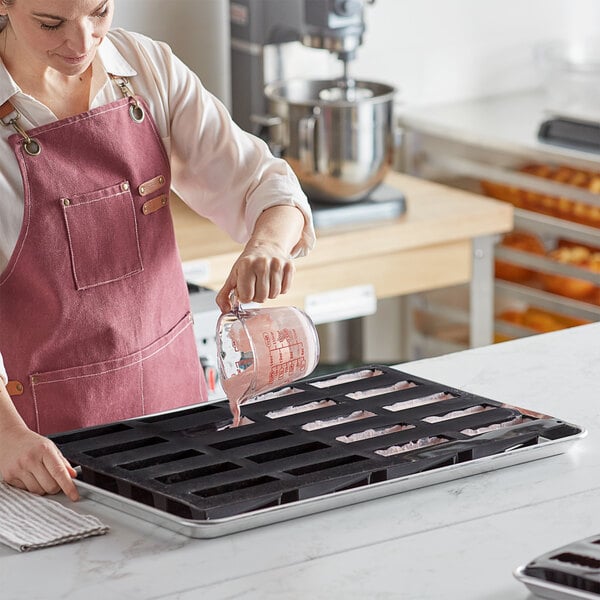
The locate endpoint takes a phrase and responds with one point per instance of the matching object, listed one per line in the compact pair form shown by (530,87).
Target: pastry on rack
(525,242)
(573,287)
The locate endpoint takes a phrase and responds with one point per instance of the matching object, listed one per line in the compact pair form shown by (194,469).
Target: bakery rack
(490,146)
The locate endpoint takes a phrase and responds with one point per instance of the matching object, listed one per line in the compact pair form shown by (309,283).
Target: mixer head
(334,25)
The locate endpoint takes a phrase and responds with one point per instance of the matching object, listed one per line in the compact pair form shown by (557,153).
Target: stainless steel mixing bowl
(336,135)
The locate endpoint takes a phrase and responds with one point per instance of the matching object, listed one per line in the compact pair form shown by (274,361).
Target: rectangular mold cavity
(300,408)
(178,414)
(347,378)
(86,434)
(328,464)
(125,446)
(282,453)
(265,436)
(357,415)
(368,434)
(234,486)
(419,444)
(197,473)
(228,425)
(281,393)
(160,459)
(457,414)
(494,426)
(395,387)
(415,402)
(578,559)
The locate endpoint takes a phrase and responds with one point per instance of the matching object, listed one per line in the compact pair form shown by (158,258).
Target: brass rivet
(163,201)
(19,387)
(161,179)
(66,202)
(125,186)
(142,189)
(34,380)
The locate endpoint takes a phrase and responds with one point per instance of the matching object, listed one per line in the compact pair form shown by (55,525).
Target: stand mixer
(336,134)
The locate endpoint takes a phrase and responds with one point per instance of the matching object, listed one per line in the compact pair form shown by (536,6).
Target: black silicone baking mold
(575,566)
(184,463)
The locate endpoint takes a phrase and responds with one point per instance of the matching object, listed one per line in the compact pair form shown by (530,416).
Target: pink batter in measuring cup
(259,349)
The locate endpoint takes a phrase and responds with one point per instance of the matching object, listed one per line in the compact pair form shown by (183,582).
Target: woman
(94,313)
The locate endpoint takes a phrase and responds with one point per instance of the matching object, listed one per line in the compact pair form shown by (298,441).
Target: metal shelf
(548,301)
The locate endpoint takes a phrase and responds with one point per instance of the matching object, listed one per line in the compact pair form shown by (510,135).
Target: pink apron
(95,322)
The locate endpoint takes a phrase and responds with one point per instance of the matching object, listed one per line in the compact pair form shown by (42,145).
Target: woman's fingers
(257,276)
(288,275)
(60,476)
(36,464)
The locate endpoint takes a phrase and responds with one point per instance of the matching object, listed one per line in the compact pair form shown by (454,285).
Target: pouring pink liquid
(260,349)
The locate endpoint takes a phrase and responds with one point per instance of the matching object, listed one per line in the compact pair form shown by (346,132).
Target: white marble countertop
(456,540)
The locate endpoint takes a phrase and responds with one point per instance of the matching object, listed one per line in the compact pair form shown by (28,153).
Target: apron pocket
(163,375)
(88,395)
(103,235)
(172,376)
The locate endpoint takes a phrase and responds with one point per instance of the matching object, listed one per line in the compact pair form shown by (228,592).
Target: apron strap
(31,145)
(6,109)
(136,110)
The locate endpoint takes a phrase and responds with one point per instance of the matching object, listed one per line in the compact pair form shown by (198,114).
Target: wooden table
(445,238)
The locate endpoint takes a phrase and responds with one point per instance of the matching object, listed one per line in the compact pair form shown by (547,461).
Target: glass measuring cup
(259,349)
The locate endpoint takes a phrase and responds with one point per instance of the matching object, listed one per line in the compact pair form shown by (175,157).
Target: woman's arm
(265,268)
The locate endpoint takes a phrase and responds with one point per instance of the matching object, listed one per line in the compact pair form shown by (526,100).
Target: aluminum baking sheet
(551,591)
(320,444)
(571,571)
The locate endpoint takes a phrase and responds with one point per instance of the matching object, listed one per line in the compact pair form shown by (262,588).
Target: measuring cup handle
(236,307)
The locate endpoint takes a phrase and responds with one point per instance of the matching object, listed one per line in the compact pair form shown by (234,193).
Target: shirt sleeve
(3,374)
(221,172)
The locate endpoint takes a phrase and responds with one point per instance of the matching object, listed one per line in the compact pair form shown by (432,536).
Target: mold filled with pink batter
(286,391)
(300,408)
(414,445)
(396,387)
(495,426)
(347,378)
(357,415)
(368,434)
(456,414)
(431,399)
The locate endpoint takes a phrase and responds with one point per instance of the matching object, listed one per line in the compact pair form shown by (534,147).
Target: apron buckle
(136,110)
(31,145)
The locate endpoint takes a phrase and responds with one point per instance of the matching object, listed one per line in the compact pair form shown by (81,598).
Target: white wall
(431,50)
(443,50)
(197,30)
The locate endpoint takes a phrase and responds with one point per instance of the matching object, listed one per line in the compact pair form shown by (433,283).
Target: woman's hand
(265,267)
(32,462)
(261,271)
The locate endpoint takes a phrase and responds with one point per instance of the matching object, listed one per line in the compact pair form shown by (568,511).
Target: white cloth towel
(28,521)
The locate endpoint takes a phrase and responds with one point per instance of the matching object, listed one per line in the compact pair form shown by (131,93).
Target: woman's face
(60,34)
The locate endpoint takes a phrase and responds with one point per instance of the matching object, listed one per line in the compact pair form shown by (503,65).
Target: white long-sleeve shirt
(220,171)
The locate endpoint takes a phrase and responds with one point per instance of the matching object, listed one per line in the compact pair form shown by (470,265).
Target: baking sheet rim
(211,528)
